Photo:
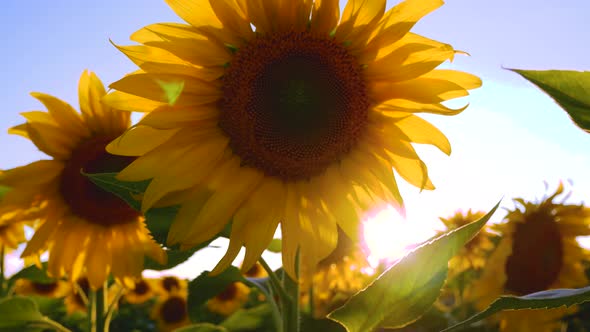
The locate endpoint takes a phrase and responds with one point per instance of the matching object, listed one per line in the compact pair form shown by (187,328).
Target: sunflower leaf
(205,287)
(33,273)
(202,327)
(21,314)
(570,89)
(548,299)
(406,290)
(251,319)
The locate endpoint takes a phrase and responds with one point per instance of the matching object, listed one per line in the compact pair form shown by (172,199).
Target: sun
(389,236)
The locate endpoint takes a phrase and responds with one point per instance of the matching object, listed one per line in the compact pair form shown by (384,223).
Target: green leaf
(248,319)
(19,314)
(570,89)
(172,90)
(309,324)
(33,273)
(406,290)
(275,246)
(202,327)
(204,287)
(548,299)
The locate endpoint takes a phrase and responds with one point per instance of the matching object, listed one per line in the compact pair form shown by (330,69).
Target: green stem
(97,311)
(2,270)
(274,280)
(46,322)
(276,314)
(291,308)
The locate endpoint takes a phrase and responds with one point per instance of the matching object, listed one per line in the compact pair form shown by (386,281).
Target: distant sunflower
(77,298)
(337,277)
(473,255)
(287,102)
(11,234)
(169,284)
(55,289)
(231,299)
(85,229)
(171,311)
(538,251)
(256,271)
(142,291)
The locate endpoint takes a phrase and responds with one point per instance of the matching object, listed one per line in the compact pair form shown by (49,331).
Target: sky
(509,142)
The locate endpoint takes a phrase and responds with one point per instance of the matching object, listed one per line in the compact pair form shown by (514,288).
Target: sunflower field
(279,127)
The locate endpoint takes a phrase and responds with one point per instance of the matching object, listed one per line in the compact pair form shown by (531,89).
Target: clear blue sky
(510,140)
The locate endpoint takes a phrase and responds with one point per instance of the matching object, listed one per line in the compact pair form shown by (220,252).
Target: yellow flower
(169,284)
(85,229)
(231,299)
(142,291)
(11,234)
(337,278)
(473,255)
(171,311)
(77,298)
(282,111)
(538,251)
(55,289)
(256,271)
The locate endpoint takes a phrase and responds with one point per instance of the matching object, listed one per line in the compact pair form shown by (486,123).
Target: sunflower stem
(2,270)
(276,284)
(291,308)
(97,310)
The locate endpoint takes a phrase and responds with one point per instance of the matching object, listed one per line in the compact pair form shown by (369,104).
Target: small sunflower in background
(143,290)
(11,235)
(85,229)
(168,284)
(337,277)
(54,289)
(538,251)
(474,254)
(171,311)
(256,271)
(232,298)
(77,299)
(289,102)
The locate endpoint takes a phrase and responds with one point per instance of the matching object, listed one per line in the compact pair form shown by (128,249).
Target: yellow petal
(33,174)
(128,102)
(186,215)
(421,131)
(196,12)
(422,90)
(64,114)
(232,17)
(169,118)
(324,16)
(465,80)
(400,108)
(51,140)
(139,140)
(359,18)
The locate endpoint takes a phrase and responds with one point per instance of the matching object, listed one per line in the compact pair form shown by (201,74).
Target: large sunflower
(538,251)
(282,111)
(85,229)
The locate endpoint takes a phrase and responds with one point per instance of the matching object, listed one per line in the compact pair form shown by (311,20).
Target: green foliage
(251,319)
(202,327)
(570,89)
(33,273)
(20,314)
(205,286)
(407,289)
(548,299)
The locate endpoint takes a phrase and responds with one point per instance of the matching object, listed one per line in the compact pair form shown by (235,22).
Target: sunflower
(169,284)
(282,101)
(142,291)
(230,299)
(55,289)
(171,311)
(337,277)
(538,251)
(473,255)
(85,229)
(256,271)
(11,234)
(77,298)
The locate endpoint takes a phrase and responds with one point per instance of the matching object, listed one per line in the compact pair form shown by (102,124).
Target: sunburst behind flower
(538,251)
(85,229)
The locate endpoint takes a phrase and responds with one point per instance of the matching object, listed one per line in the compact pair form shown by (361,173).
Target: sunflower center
(44,288)
(229,293)
(141,287)
(293,103)
(173,310)
(87,200)
(170,283)
(537,255)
